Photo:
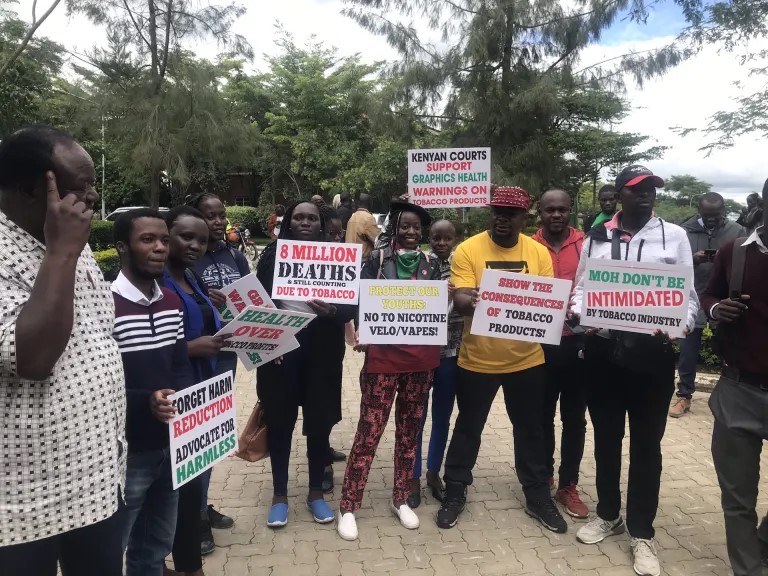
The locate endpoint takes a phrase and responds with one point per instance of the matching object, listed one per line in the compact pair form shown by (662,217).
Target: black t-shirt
(209,324)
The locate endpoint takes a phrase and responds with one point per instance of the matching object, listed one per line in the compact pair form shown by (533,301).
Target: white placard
(204,430)
(247,291)
(521,307)
(252,360)
(404,312)
(263,330)
(328,271)
(449,177)
(640,297)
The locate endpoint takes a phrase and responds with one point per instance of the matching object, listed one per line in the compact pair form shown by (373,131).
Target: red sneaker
(570,499)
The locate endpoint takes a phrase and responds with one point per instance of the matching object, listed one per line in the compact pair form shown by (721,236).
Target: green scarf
(407,263)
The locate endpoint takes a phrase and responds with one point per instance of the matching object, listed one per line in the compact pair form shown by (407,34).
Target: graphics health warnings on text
(264,331)
(247,291)
(521,307)
(636,296)
(204,430)
(404,312)
(327,271)
(449,177)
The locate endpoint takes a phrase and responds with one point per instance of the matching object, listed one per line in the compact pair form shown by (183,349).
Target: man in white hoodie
(631,374)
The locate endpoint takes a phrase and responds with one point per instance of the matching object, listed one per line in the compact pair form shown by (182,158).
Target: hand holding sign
(161,406)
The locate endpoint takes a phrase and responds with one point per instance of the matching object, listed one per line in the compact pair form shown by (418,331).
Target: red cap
(510,197)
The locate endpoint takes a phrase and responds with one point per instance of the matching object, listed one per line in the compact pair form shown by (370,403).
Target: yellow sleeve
(462,269)
(545,262)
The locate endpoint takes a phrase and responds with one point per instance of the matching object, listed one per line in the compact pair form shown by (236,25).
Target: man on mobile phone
(707,232)
(740,400)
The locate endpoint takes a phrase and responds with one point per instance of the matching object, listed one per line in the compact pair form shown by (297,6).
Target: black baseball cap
(634,174)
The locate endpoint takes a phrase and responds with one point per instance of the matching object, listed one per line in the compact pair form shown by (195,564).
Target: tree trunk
(153,52)
(154,188)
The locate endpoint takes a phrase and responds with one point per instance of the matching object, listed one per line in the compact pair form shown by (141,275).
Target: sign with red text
(328,271)
(521,307)
(263,330)
(404,312)
(638,297)
(247,291)
(204,430)
(449,177)
(252,360)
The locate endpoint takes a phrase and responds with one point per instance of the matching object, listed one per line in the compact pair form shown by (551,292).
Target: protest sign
(521,307)
(204,429)
(247,291)
(404,312)
(449,177)
(328,271)
(252,360)
(638,297)
(263,330)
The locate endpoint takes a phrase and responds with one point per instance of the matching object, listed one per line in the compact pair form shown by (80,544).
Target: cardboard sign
(247,291)
(204,430)
(638,297)
(404,312)
(328,271)
(252,360)
(449,177)
(521,307)
(263,330)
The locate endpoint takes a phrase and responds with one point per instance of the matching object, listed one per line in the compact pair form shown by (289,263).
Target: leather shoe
(206,536)
(337,456)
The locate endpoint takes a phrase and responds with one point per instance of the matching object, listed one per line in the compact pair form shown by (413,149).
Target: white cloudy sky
(685,96)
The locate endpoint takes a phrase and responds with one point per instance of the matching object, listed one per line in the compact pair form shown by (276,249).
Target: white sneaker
(407,516)
(347,526)
(646,560)
(597,530)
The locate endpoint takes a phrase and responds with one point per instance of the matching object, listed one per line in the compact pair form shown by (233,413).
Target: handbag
(252,445)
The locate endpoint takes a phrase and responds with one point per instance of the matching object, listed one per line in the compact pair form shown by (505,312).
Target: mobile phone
(710,253)
(574,325)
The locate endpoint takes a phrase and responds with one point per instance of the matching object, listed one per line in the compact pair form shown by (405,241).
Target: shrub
(109,262)
(101,235)
(246,216)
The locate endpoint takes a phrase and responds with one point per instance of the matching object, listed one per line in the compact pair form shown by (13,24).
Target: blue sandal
(321,512)
(278,515)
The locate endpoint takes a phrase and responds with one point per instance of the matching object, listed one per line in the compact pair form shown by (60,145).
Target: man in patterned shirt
(62,396)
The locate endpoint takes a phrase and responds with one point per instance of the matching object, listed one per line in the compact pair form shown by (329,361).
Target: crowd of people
(87,368)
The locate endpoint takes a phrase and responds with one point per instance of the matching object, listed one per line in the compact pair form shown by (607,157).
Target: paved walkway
(494,535)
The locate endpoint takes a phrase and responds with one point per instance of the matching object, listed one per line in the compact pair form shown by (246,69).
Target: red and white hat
(510,197)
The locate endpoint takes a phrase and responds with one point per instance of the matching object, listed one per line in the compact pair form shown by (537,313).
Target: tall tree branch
(139,31)
(28,36)
(168,20)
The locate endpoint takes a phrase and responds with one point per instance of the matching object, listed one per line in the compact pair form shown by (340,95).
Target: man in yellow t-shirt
(486,364)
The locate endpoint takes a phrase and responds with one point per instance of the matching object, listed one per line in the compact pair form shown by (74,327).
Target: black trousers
(96,550)
(565,382)
(186,542)
(524,400)
(741,426)
(614,394)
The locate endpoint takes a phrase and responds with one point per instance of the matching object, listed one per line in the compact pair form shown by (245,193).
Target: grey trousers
(741,425)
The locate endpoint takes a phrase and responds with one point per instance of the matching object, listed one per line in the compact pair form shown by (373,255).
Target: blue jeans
(225,362)
(151,504)
(443,398)
(686,366)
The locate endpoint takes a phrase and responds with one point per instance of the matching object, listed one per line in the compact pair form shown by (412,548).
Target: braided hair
(266,261)
(197,199)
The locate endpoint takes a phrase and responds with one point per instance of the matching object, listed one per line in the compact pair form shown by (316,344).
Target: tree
(686,188)
(503,72)
(23,41)
(145,51)
(736,26)
(27,81)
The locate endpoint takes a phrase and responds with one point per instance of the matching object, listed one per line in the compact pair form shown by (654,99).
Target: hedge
(101,235)
(246,216)
(109,262)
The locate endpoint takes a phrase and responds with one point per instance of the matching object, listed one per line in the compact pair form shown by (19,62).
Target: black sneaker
(337,456)
(206,536)
(328,480)
(219,520)
(453,504)
(546,512)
